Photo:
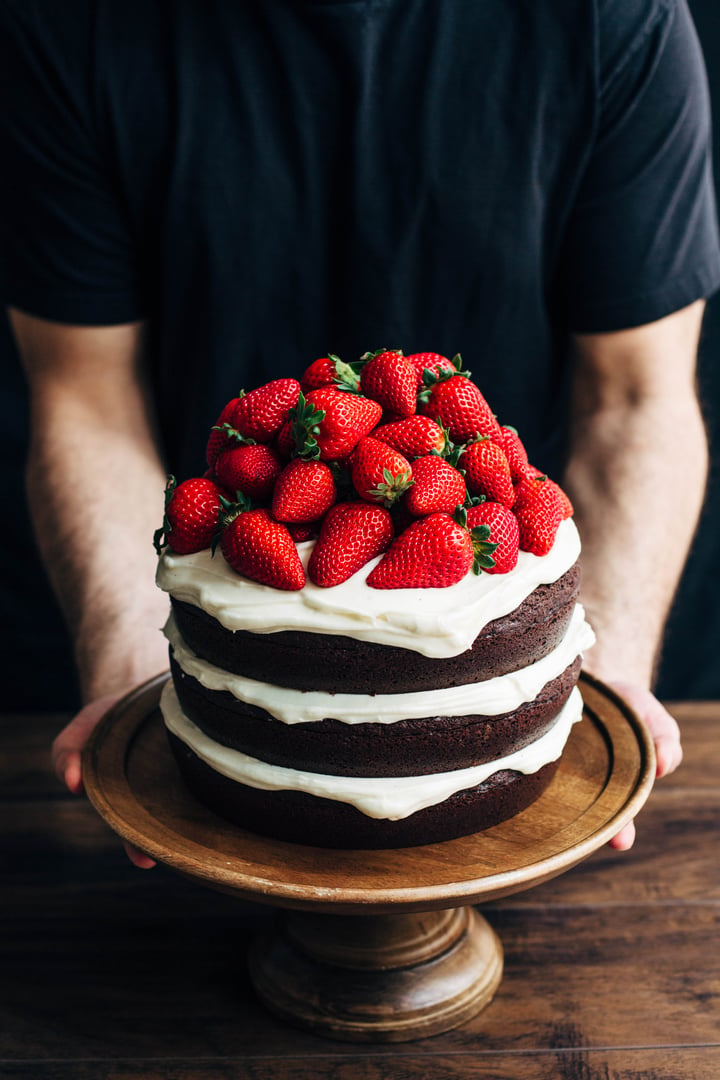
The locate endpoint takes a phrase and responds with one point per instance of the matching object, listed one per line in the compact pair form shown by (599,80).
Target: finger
(67,747)
(625,839)
(668,753)
(138,858)
(68,770)
(73,772)
(663,727)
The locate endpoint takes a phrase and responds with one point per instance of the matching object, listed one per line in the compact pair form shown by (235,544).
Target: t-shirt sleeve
(65,245)
(642,238)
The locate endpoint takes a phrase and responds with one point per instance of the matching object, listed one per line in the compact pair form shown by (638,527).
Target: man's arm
(636,475)
(95,484)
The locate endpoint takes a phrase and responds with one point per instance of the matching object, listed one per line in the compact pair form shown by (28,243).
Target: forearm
(95,484)
(636,476)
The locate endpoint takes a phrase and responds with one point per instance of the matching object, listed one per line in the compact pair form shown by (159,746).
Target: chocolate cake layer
(305,819)
(338,664)
(405,748)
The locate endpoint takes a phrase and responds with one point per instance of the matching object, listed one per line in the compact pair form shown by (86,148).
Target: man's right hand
(67,758)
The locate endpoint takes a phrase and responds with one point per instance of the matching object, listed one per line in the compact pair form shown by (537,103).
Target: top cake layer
(433,622)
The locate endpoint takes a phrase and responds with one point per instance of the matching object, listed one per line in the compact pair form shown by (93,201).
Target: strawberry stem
(480,536)
(160,536)
(346,377)
(304,426)
(394,485)
(233,434)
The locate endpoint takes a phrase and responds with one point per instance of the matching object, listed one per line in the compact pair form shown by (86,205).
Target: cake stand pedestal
(373,946)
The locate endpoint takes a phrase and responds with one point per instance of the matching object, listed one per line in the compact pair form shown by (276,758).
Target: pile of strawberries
(393,455)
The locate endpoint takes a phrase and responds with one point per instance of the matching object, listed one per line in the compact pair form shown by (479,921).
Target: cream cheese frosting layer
(433,622)
(493,697)
(388,798)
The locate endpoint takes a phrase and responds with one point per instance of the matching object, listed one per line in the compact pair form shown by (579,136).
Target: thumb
(68,746)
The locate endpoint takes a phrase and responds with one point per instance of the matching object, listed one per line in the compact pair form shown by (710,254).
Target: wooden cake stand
(372,945)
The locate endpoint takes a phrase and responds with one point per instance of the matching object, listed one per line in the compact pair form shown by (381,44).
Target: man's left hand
(665,734)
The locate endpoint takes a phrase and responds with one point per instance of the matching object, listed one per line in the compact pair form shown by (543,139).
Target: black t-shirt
(268,180)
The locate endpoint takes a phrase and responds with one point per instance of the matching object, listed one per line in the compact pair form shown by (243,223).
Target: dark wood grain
(111,987)
(561,1064)
(25,770)
(612,971)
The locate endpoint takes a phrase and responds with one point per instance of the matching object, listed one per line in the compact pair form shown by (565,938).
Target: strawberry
(533,481)
(527,472)
(504,532)
(252,469)
(437,486)
(413,436)
(304,491)
(302,531)
(487,471)
(432,553)
(285,441)
(566,506)
(261,414)
(514,451)
(379,473)
(539,511)
(351,534)
(192,516)
(262,549)
(223,434)
(458,405)
(431,362)
(330,371)
(345,420)
(389,378)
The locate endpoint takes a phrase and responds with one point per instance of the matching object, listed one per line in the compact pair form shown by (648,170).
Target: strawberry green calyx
(451,451)
(230,432)
(231,509)
(347,378)
(160,535)
(372,353)
(305,422)
(392,488)
(482,547)
(432,378)
(228,512)
(233,434)
(473,500)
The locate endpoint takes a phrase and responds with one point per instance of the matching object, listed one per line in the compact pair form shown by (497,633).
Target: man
(207,200)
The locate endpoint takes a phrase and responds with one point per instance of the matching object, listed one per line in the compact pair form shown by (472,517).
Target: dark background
(36,669)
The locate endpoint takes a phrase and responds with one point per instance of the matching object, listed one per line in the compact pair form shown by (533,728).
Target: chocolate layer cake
(351,717)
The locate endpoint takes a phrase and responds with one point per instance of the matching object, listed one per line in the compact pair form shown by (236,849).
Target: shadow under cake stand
(373,946)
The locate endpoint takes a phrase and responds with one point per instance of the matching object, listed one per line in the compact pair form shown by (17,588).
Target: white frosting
(389,798)
(433,622)
(490,698)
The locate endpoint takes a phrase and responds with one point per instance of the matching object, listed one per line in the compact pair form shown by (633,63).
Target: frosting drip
(385,798)
(493,697)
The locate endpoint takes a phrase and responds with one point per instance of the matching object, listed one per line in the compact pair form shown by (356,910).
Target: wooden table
(612,971)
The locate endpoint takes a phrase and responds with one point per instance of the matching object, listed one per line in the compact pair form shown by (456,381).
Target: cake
(386,672)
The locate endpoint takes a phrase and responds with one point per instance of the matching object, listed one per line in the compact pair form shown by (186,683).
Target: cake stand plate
(372,945)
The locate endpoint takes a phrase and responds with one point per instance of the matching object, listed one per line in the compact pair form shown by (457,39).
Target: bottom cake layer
(341,812)
(305,819)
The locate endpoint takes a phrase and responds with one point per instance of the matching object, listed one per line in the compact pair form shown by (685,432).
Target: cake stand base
(373,946)
(377,978)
